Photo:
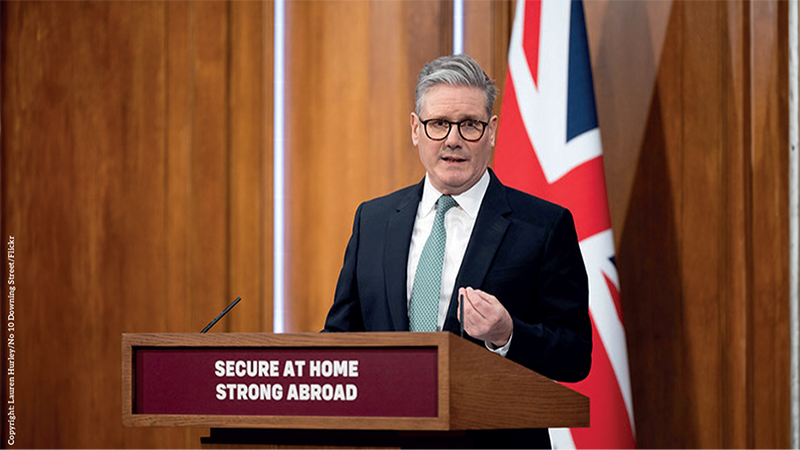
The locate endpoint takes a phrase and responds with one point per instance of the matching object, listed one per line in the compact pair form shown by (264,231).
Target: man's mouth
(453,159)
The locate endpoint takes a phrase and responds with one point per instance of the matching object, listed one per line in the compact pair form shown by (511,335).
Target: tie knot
(445,202)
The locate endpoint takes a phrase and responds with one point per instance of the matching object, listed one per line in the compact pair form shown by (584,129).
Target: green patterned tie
(423,311)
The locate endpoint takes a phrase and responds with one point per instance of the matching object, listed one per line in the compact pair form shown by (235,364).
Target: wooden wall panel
(325,145)
(208,246)
(81,172)
(700,216)
(735,289)
(178,159)
(649,244)
(769,213)
(250,171)
(349,99)
(703,241)
(134,173)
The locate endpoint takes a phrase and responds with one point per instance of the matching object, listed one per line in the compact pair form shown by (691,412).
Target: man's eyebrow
(461,119)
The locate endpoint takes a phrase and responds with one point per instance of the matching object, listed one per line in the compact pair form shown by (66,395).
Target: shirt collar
(469,200)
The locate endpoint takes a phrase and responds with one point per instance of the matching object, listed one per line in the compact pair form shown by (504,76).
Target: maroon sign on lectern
(365,382)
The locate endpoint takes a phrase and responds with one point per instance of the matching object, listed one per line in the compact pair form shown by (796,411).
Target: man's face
(454,164)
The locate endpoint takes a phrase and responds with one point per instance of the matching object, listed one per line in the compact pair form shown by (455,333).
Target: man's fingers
(468,297)
(490,320)
(480,295)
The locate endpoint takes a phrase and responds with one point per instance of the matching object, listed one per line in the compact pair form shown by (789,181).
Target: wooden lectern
(351,389)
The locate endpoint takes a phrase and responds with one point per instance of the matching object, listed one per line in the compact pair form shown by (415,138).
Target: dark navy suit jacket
(523,250)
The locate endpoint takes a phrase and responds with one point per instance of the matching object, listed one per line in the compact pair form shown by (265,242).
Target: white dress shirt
(458,223)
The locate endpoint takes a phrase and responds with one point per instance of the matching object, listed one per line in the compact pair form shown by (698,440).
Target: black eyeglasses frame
(450,128)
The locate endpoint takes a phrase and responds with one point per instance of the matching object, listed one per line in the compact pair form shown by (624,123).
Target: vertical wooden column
(250,171)
(769,158)
(136,181)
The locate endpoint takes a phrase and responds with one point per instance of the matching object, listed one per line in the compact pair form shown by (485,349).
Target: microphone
(461,307)
(225,311)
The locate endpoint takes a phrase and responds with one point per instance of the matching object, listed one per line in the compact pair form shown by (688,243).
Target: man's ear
(493,122)
(415,128)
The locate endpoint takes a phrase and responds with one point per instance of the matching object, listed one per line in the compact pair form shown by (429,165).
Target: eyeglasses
(470,129)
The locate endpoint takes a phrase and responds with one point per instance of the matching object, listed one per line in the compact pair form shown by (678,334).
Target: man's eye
(440,123)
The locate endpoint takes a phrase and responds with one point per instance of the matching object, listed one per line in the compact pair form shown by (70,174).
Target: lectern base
(265,438)
(223,438)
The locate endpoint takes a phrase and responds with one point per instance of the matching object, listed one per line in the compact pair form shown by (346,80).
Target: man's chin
(456,185)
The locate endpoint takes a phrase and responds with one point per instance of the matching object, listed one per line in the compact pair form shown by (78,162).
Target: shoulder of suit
(518,199)
(517,196)
(392,200)
(527,204)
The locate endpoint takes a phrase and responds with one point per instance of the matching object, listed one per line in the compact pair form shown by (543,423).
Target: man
(513,258)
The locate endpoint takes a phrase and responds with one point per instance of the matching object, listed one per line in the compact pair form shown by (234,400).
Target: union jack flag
(549,146)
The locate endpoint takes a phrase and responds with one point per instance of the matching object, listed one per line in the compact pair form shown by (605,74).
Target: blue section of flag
(581,111)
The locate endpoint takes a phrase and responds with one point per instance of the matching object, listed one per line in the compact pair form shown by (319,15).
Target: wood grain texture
(209,250)
(703,151)
(117,183)
(250,171)
(736,252)
(536,401)
(769,213)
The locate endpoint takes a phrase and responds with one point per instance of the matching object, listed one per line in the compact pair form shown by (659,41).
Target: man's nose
(454,138)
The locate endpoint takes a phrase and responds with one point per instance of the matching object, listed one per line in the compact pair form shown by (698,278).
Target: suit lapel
(490,227)
(398,241)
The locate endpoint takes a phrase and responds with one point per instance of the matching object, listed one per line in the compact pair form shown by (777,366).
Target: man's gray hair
(455,70)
